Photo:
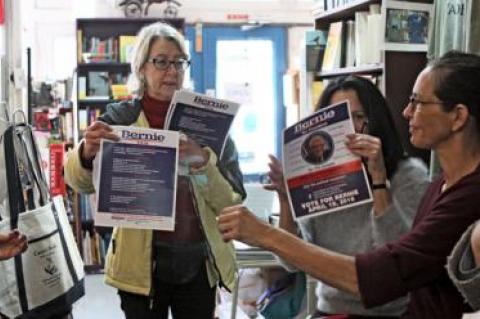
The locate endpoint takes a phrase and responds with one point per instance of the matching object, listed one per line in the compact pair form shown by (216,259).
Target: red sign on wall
(2,12)
(238,16)
(57,183)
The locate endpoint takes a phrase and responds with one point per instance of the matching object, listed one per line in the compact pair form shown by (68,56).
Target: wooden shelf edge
(343,11)
(363,69)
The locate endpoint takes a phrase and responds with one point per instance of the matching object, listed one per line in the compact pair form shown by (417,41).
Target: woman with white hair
(158,270)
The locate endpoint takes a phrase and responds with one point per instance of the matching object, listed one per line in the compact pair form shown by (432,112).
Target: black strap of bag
(16,205)
(27,142)
(14,184)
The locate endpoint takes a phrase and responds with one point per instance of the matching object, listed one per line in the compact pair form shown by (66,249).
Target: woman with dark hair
(444,115)
(370,114)
(397,181)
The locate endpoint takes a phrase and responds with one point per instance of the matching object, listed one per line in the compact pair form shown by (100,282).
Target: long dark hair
(380,120)
(455,81)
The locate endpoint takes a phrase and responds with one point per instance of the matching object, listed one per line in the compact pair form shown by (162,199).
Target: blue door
(245,65)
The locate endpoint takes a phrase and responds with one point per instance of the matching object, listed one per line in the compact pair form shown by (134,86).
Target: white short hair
(145,38)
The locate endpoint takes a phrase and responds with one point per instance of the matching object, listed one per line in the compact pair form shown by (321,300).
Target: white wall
(49,25)
(282,11)
(16,94)
(211,11)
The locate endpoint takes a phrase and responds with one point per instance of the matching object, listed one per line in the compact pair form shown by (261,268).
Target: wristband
(379,186)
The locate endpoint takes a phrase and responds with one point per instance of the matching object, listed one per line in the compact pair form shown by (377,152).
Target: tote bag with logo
(48,277)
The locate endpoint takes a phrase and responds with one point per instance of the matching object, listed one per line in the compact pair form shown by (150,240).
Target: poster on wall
(406,25)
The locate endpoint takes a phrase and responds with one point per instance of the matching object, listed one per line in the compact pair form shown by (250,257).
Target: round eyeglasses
(163,64)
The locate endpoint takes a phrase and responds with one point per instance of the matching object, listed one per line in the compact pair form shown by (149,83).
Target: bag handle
(15,197)
(24,118)
(28,177)
(21,135)
(34,163)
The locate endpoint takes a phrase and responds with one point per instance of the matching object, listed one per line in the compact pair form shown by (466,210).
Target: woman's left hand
(192,154)
(370,148)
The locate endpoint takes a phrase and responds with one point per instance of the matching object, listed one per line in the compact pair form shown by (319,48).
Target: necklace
(444,187)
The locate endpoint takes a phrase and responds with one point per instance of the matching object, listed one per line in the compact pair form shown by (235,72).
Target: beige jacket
(129,259)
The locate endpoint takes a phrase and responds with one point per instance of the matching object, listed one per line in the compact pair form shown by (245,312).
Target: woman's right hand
(276,177)
(92,138)
(12,244)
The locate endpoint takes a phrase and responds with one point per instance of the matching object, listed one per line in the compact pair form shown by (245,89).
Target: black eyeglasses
(163,64)
(414,102)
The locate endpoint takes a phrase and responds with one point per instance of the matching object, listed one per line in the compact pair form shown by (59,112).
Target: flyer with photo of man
(321,175)
(136,180)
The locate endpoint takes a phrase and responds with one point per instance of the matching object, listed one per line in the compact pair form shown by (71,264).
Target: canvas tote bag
(48,276)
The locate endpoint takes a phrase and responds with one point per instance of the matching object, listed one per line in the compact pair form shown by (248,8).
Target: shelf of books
(52,121)
(346,10)
(354,37)
(104,53)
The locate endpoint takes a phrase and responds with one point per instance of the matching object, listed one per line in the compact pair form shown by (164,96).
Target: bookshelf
(324,18)
(52,120)
(395,72)
(104,47)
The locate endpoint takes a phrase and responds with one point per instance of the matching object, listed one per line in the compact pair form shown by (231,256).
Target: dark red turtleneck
(155,111)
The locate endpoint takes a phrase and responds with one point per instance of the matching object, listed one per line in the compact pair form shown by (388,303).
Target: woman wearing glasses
(398,183)
(155,271)
(444,115)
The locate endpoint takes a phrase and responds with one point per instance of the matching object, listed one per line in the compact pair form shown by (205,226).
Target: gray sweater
(463,272)
(356,230)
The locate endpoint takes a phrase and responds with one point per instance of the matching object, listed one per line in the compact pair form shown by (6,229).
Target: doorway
(245,64)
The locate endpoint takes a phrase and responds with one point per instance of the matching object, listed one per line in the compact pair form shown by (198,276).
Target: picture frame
(405,25)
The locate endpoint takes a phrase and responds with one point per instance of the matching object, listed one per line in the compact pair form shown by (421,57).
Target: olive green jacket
(217,185)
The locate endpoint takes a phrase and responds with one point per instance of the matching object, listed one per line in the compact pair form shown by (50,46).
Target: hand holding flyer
(137,179)
(321,173)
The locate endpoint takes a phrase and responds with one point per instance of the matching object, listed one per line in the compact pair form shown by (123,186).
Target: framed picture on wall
(406,25)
